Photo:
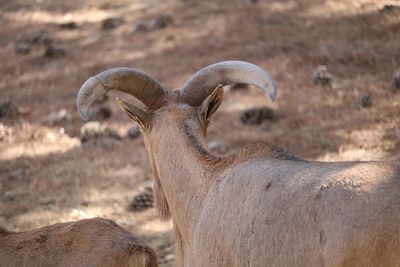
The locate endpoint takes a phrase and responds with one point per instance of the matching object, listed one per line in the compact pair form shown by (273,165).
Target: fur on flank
(89,242)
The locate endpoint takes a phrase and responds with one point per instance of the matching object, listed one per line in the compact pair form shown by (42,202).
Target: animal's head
(193,105)
(167,113)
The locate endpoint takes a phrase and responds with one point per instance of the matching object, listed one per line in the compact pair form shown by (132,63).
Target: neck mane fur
(216,164)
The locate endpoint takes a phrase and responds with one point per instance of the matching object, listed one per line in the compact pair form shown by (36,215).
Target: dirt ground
(48,176)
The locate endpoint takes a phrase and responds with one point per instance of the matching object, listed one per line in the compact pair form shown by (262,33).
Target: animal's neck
(185,170)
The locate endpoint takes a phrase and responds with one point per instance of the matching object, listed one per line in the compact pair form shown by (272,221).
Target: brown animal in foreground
(90,242)
(262,207)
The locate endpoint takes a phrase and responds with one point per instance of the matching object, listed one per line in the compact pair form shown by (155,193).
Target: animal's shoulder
(268,151)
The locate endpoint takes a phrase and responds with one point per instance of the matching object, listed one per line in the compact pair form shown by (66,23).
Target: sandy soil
(48,176)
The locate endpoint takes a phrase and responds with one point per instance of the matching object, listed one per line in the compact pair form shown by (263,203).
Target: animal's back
(90,242)
(299,213)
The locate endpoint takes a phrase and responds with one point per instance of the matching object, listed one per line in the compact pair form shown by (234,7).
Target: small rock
(7,108)
(96,133)
(23,47)
(161,22)
(85,203)
(239,86)
(322,77)
(363,101)
(69,25)
(142,200)
(54,52)
(396,81)
(134,132)
(141,27)
(59,117)
(41,37)
(389,8)
(247,2)
(111,23)
(257,115)
(217,147)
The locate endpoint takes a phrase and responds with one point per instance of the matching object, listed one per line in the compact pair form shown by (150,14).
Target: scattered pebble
(161,22)
(257,115)
(250,2)
(41,37)
(217,147)
(134,132)
(54,52)
(7,108)
(363,101)
(96,133)
(396,81)
(59,117)
(239,86)
(322,77)
(389,8)
(86,203)
(142,200)
(141,26)
(69,25)
(111,23)
(157,23)
(23,47)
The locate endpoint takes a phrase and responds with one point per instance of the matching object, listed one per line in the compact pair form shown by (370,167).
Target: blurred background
(336,64)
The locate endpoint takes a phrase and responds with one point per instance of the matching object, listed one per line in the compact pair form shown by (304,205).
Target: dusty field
(47,176)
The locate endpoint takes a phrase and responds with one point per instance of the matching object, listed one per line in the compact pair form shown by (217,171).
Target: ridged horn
(203,82)
(134,82)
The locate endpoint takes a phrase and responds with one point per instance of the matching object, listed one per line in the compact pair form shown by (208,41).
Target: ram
(263,206)
(90,242)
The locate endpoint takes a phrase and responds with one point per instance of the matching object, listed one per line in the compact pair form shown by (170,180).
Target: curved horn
(134,82)
(203,82)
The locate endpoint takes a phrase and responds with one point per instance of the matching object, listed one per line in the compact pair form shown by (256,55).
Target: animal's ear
(135,113)
(212,103)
